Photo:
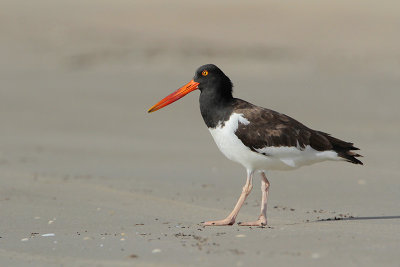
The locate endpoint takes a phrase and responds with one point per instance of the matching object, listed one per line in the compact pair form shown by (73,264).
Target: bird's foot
(262,221)
(226,221)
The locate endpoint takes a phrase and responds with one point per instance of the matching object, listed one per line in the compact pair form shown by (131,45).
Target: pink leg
(262,219)
(232,216)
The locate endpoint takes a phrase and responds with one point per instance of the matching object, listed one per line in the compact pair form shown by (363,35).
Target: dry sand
(109,185)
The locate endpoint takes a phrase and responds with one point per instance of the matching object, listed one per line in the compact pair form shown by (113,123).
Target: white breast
(279,158)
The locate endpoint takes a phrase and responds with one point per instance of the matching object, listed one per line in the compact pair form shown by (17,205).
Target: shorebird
(258,138)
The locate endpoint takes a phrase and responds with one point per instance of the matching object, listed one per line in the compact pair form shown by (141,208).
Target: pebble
(241,235)
(156,250)
(49,234)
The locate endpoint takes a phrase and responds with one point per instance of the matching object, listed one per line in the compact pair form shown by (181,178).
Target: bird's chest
(228,143)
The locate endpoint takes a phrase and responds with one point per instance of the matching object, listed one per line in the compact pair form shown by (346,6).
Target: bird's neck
(215,108)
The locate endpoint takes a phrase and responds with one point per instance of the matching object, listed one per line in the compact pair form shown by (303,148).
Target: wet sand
(88,178)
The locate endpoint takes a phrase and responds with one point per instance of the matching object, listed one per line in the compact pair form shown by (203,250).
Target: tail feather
(344,149)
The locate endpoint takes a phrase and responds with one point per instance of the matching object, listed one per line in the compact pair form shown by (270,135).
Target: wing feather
(268,128)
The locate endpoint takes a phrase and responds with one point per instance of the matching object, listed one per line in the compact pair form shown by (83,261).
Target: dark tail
(344,149)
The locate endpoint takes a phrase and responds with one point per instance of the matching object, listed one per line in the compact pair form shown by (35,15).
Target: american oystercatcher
(258,138)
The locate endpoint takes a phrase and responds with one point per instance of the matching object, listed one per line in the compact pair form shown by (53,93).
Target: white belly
(279,158)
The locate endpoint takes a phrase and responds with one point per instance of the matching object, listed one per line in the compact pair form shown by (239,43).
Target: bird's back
(275,140)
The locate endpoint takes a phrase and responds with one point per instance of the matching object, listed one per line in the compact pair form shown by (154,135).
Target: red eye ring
(204,73)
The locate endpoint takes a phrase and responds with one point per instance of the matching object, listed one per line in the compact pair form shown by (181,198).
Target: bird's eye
(204,73)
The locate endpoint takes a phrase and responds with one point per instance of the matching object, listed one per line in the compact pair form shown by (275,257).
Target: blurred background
(77,78)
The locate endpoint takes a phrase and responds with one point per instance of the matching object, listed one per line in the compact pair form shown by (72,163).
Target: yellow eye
(204,73)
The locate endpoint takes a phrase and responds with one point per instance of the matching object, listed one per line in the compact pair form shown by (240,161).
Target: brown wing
(270,128)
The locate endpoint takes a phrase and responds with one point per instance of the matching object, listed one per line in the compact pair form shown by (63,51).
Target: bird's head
(207,78)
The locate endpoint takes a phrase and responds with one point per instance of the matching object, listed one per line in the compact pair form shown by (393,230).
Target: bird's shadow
(351,218)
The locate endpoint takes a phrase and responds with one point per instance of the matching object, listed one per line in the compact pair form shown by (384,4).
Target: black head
(212,80)
(215,87)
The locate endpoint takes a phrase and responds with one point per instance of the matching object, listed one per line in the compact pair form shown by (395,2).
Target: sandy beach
(88,178)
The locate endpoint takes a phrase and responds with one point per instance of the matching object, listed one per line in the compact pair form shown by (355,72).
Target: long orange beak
(181,92)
